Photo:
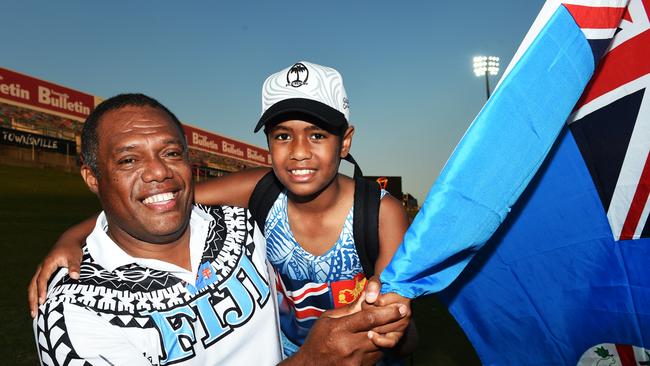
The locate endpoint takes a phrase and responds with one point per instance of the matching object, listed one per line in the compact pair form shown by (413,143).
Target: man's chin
(162,235)
(164,229)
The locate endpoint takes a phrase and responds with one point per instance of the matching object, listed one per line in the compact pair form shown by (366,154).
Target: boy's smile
(302,175)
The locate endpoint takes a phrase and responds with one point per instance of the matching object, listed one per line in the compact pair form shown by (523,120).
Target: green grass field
(36,205)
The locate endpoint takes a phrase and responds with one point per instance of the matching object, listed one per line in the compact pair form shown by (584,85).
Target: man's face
(145,181)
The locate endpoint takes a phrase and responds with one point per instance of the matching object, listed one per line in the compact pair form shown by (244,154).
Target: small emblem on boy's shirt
(347,291)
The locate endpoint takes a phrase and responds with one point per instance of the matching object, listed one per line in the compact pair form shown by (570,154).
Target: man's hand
(61,255)
(347,340)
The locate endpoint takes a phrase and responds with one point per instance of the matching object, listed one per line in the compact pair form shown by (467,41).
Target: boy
(308,229)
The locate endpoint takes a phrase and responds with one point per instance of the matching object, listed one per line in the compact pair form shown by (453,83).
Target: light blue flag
(502,150)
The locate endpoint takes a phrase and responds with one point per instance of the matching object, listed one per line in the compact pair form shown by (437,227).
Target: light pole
(484,65)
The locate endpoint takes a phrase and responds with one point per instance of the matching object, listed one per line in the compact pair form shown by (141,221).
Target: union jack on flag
(611,125)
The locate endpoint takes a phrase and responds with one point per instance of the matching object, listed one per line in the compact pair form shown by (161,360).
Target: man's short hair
(89,138)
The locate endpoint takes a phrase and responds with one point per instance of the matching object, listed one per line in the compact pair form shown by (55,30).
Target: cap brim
(323,115)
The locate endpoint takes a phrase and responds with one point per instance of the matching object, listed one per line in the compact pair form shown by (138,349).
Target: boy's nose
(300,151)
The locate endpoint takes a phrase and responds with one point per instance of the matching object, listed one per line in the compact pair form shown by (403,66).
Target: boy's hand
(61,255)
(387,335)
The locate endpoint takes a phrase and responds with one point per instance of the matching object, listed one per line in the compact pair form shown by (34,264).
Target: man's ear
(346,142)
(90,178)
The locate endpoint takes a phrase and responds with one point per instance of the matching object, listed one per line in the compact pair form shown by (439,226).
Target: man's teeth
(302,171)
(158,198)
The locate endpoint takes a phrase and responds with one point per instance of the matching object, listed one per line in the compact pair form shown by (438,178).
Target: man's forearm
(344,340)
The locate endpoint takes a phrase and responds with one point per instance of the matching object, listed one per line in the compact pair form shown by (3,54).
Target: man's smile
(161,201)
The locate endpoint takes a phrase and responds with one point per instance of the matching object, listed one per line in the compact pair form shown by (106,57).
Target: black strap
(264,195)
(366,223)
(357,169)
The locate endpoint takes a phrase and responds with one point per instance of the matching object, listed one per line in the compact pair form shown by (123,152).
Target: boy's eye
(318,136)
(282,136)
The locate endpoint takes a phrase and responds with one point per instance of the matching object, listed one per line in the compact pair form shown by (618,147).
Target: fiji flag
(564,278)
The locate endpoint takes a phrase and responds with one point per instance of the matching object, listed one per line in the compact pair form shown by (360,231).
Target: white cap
(305,89)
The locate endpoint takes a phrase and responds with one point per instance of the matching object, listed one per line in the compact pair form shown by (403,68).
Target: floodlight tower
(485,66)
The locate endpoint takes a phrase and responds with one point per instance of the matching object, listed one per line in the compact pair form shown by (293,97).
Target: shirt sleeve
(69,334)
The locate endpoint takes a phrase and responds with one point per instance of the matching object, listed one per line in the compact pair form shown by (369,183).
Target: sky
(406,66)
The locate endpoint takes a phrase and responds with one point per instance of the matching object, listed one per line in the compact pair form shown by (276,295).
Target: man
(166,282)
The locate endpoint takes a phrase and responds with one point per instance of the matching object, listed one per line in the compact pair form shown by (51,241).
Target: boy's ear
(90,178)
(346,142)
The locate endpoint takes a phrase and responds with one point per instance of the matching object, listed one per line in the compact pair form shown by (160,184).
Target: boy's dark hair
(89,137)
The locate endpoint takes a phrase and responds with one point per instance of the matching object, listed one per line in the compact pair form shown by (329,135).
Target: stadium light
(485,66)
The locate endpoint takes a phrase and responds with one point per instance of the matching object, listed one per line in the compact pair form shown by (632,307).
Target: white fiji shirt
(135,311)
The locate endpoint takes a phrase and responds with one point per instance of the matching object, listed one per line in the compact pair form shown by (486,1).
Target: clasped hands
(356,334)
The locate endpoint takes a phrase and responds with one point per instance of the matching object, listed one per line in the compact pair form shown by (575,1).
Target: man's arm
(65,332)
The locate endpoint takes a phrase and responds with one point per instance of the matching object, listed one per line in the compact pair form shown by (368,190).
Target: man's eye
(126,161)
(318,136)
(174,154)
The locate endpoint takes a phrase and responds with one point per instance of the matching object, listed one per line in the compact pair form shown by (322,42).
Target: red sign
(211,142)
(42,94)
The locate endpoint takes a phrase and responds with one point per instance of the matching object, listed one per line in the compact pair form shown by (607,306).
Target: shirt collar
(110,256)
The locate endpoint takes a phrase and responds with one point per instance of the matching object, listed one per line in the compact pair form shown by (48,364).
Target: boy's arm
(234,189)
(66,252)
(393,224)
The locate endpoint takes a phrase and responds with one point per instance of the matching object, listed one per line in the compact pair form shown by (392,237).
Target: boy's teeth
(301,171)
(158,198)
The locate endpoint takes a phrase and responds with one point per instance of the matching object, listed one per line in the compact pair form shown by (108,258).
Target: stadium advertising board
(23,89)
(393,184)
(40,142)
(211,142)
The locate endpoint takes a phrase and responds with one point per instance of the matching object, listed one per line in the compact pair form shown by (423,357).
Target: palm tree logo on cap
(297,75)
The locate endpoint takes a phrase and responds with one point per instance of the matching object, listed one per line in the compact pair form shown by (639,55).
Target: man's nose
(156,170)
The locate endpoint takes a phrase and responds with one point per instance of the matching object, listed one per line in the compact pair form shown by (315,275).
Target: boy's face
(306,157)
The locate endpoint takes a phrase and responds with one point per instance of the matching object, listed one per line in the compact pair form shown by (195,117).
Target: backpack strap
(264,195)
(366,222)
(357,169)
